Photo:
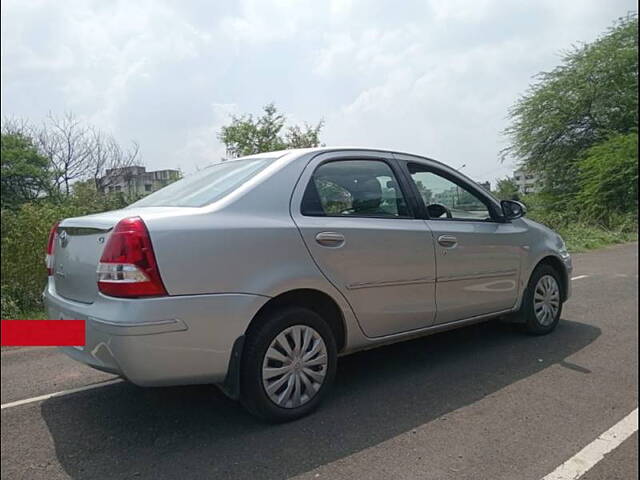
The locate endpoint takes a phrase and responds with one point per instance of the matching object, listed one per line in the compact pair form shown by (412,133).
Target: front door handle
(330,239)
(447,241)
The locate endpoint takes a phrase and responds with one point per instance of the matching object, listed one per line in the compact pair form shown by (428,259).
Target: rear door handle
(330,239)
(447,241)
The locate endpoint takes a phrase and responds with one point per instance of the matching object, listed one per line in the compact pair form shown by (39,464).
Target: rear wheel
(289,362)
(542,303)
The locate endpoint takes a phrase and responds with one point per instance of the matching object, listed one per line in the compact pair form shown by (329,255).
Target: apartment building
(527,182)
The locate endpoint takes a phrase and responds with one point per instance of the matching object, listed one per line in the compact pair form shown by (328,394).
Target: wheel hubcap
(546,300)
(294,366)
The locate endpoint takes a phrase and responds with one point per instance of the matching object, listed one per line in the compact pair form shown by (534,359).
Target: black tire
(252,394)
(527,315)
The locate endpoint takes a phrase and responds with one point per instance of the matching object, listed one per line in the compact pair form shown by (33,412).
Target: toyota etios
(256,273)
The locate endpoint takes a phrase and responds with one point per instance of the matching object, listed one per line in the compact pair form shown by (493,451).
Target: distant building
(485,185)
(136,180)
(527,182)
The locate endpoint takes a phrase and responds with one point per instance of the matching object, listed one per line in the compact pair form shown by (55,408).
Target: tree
(106,154)
(297,137)
(507,189)
(592,95)
(608,178)
(65,141)
(247,135)
(25,175)
(74,151)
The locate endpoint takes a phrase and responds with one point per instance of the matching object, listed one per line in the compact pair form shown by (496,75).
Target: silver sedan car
(256,273)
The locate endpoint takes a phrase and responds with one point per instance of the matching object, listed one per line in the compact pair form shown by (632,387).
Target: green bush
(579,230)
(608,179)
(8,306)
(24,237)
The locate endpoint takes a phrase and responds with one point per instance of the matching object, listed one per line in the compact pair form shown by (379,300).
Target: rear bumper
(159,341)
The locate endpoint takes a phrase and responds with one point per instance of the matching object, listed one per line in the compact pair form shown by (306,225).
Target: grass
(581,234)
(31,314)
(34,315)
(580,237)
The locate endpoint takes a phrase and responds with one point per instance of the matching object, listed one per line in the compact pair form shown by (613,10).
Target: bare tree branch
(76,151)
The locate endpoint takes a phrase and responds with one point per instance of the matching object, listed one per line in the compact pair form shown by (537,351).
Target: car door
(478,254)
(356,221)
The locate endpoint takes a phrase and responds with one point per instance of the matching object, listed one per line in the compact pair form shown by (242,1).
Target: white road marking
(579,277)
(586,458)
(61,393)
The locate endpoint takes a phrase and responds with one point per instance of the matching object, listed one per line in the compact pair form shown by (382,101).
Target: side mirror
(512,209)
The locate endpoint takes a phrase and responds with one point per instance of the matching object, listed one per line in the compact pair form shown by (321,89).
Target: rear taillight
(51,246)
(128,265)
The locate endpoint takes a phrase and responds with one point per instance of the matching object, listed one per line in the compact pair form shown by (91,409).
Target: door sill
(423,332)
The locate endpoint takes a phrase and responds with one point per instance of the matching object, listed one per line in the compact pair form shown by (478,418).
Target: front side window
(446,199)
(354,188)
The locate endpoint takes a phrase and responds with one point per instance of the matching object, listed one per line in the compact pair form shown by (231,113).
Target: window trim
(405,189)
(476,191)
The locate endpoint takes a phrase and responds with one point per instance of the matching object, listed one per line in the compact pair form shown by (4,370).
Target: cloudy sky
(430,77)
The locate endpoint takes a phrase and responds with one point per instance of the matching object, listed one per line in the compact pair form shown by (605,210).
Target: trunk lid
(78,248)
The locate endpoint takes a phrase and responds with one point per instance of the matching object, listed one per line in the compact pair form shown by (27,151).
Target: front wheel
(289,363)
(542,304)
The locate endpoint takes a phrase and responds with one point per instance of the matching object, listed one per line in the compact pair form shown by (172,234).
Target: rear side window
(354,188)
(206,186)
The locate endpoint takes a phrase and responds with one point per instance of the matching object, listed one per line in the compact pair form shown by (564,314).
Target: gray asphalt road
(484,402)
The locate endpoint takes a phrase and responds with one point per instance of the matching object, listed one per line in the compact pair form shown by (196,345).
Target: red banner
(43,333)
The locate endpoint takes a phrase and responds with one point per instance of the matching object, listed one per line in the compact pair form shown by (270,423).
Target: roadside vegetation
(49,172)
(576,128)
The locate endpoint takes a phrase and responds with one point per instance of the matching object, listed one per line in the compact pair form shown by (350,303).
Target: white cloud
(461,10)
(260,22)
(198,144)
(436,78)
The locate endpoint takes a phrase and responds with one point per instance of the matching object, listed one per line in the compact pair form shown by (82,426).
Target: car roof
(294,154)
(301,151)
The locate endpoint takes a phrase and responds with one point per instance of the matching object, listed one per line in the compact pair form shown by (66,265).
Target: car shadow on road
(123,431)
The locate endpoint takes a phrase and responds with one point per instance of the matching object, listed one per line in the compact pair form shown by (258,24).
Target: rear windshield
(207,185)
